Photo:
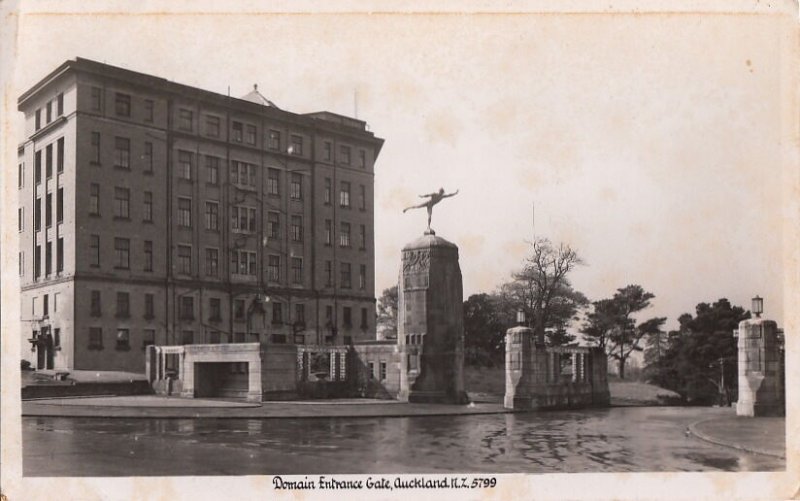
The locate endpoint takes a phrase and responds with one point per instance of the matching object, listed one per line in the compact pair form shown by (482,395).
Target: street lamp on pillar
(758,306)
(521,317)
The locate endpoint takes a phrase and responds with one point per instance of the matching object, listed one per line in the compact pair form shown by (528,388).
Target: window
(362,277)
(147,157)
(250,134)
(279,338)
(37,165)
(273,225)
(212,170)
(362,197)
(243,174)
(297,144)
(212,216)
(122,253)
(185,119)
(273,182)
(243,262)
(55,302)
(95,148)
(362,159)
(46,306)
(212,126)
(122,201)
(21,219)
(123,305)
(94,199)
(273,268)
(21,175)
(148,110)
(148,337)
(123,339)
(297,228)
(185,259)
(344,154)
(364,314)
(238,131)
(327,192)
(48,210)
(96,310)
(328,273)
(97,99)
(274,140)
(21,259)
(149,306)
(382,366)
(94,250)
(214,309)
(327,151)
(122,152)
(147,211)
(329,314)
(48,254)
(49,108)
(185,161)
(344,194)
(56,338)
(362,237)
(344,235)
(371,367)
(187,337)
(297,270)
(187,307)
(238,309)
(346,281)
(347,317)
(148,255)
(122,105)
(277,313)
(212,262)
(243,219)
(296,187)
(95,338)
(60,155)
(300,314)
(60,104)
(185,212)
(48,161)
(328,232)
(37,215)
(60,205)
(60,255)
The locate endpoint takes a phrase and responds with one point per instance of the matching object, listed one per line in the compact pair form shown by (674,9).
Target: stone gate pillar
(430,304)
(760,365)
(518,368)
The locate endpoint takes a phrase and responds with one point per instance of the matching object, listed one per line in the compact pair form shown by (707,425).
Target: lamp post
(758,306)
(520,317)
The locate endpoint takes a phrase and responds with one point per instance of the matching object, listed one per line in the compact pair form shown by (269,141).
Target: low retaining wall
(85,389)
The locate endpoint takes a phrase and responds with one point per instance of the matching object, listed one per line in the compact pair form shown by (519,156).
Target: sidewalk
(760,435)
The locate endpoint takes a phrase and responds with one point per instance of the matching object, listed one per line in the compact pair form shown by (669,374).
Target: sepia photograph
(467,251)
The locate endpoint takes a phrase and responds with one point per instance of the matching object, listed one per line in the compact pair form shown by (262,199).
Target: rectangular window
(212,216)
(48,255)
(382,366)
(94,199)
(297,145)
(273,182)
(185,259)
(299,315)
(48,210)
(277,313)
(362,159)
(187,307)
(122,105)
(37,215)
(123,339)
(243,174)
(148,255)
(327,151)
(238,309)
(347,316)
(21,175)
(21,219)
(362,277)
(329,273)
(212,170)
(97,99)
(250,134)
(364,314)
(122,203)
(344,154)
(274,140)
(60,255)
(147,210)
(185,212)
(37,165)
(148,110)
(297,228)
(149,306)
(371,368)
(123,305)
(49,109)
(273,225)
(344,235)
(148,337)
(60,155)
(344,194)
(60,205)
(327,192)
(362,197)
(21,259)
(122,152)
(94,251)
(328,232)
(95,310)
(48,161)
(214,309)
(362,237)
(212,262)
(346,276)
(185,118)
(38,119)
(60,104)
(297,270)
(187,337)
(95,148)
(95,338)
(243,262)
(185,161)
(296,187)
(273,268)
(122,253)
(238,131)
(56,338)
(243,219)
(329,315)
(212,126)
(147,158)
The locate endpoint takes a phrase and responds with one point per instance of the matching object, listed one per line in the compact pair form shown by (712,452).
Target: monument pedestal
(430,308)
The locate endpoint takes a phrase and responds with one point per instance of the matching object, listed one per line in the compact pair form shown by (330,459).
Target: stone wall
(761,368)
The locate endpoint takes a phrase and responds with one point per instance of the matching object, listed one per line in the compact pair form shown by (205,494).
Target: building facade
(152,212)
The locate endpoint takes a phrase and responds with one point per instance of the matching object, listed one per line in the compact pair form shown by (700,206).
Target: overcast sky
(648,143)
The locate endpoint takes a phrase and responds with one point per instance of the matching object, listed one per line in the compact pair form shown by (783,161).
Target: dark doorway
(44,350)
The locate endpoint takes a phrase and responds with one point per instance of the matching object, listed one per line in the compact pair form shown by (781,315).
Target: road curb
(708,438)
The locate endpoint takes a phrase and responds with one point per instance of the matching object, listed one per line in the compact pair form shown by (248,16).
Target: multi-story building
(152,212)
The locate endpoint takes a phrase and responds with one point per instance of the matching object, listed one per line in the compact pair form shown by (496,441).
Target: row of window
(48,259)
(48,211)
(381,374)
(48,163)
(122,104)
(57,103)
(45,304)
(122,338)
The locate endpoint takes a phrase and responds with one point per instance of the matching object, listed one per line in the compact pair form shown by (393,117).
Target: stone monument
(760,364)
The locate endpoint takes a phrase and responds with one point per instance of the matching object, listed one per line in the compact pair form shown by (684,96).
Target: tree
(387,313)
(484,330)
(543,291)
(612,324)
